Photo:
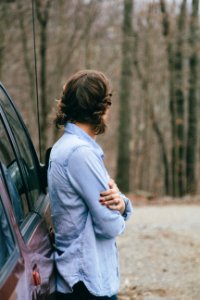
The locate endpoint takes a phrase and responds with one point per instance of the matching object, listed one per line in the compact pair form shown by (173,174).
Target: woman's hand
(112,199)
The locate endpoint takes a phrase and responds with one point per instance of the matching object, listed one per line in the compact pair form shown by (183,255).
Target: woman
(88,211)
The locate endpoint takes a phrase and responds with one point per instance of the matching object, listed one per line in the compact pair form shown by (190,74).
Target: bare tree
(192,100)
(158,61)
(123,163)
(42,12)
(149,114)
(179,103)
(163,152)
(167,33)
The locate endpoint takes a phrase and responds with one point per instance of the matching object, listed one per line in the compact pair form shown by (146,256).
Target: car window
(14,179)
(6,237)
(27,158)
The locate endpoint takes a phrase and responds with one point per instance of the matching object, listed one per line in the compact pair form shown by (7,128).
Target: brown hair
(85,98)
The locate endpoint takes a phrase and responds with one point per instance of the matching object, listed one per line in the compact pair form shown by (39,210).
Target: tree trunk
(179,106)
(176,103)
(192,101)
(123,162)
(170,57)
(163,151)
(43,18)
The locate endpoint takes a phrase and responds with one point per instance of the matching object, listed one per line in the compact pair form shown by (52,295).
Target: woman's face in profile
(106,115)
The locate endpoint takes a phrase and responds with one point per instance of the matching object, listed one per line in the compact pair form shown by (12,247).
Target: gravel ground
(160,254)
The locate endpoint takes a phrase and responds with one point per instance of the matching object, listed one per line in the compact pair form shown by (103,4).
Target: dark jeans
(80,292)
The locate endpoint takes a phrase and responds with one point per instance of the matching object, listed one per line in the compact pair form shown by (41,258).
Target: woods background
(150,51)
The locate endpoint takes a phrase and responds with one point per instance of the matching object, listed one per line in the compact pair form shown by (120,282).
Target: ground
(160,252)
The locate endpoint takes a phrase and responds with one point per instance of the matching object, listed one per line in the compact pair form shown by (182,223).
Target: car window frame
(32,219)
(39,168)
(13,145)
(30,143)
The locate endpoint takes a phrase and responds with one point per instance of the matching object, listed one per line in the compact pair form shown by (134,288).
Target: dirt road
(160,254)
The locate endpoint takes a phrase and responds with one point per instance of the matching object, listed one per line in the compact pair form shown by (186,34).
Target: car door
(30,203)
(12,268)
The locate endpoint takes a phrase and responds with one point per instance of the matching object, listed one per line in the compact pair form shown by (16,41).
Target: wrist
(123,208)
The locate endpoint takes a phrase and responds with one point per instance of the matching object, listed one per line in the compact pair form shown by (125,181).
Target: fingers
(111,197)
(114,201)
(119,207)
(106,193)
(110,191)
(111,183)
(108,197)
(115,207)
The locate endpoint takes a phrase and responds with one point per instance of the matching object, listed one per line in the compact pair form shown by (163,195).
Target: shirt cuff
(128,207)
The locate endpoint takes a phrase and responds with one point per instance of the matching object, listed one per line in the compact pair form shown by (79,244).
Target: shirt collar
(74,129)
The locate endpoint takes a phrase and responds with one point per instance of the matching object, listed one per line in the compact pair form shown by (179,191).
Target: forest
(149,50)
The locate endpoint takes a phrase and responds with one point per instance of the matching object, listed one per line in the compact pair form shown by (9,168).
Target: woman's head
(85,99)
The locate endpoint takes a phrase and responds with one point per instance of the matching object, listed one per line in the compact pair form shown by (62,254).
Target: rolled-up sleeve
(87,175)
(128,207)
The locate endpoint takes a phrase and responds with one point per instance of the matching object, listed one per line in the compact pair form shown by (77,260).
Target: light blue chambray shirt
(85,230)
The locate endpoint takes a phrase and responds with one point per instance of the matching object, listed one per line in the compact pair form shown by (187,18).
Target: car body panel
(28,273)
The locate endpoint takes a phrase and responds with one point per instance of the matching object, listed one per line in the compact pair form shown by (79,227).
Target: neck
(87,128)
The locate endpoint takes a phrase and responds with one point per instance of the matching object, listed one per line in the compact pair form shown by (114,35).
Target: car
(26,240)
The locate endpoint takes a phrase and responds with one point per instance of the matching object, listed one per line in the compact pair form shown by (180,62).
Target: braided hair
(85,99)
